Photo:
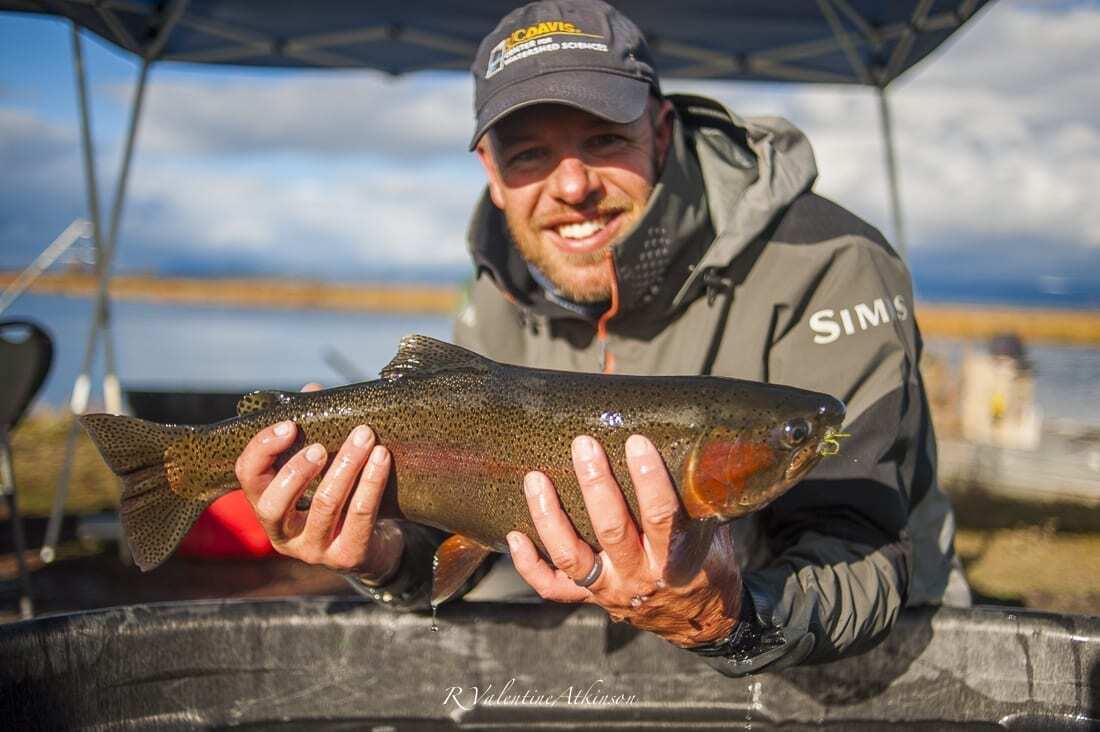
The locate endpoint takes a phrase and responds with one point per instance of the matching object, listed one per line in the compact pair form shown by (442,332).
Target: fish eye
(796,432)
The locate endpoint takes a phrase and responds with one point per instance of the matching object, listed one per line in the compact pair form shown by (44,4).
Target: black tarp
(827,41)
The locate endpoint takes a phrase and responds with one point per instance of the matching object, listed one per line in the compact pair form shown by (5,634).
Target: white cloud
(330,174)
(341,226)
(333,114)
(997,134)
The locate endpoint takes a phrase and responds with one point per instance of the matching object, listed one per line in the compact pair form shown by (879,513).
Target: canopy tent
(862,42)
(832,41)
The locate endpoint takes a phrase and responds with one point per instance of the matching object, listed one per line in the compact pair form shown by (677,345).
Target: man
(625,231)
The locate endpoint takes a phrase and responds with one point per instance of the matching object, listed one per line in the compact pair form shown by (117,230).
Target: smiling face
(572,185)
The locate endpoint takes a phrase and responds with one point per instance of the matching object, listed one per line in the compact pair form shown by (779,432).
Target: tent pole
(112,392)
(79,399)
(7,491)
(891,171)
(101,317)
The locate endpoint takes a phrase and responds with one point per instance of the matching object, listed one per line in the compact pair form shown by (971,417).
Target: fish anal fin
(456,559)
(258,401)
(418,354)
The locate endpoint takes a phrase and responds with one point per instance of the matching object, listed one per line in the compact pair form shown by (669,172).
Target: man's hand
(634,584)
(359,472)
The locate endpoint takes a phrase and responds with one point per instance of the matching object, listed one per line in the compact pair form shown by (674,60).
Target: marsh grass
(38,450)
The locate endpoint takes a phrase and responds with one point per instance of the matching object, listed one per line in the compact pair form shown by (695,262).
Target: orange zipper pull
(607,359)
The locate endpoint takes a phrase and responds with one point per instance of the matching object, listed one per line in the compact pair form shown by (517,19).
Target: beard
(582,278)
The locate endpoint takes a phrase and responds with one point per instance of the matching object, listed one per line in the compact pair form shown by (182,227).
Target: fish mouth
(804,459)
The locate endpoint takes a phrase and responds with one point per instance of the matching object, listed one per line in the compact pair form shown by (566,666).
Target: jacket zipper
(607,358)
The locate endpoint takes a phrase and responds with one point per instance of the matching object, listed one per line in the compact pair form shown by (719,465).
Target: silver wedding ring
(593,574)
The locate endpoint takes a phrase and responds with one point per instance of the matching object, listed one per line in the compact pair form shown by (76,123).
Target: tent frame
(238,45)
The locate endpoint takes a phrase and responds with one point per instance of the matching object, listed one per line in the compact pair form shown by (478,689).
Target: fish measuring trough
(330,663)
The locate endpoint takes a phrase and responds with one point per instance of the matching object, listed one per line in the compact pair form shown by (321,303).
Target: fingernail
(360,435)
(283,428)
(585,447)
(315,453)
(636,446)
(531,485)
(513,542)
(378,455)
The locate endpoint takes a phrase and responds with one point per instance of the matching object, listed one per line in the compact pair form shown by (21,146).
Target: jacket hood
(725,181)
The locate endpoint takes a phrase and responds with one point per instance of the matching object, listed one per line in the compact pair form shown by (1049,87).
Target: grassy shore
(940,321)
(257,292)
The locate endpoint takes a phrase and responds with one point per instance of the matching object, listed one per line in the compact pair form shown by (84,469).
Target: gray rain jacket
(738,269)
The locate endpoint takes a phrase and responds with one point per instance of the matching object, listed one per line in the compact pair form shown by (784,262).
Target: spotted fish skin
(464,430)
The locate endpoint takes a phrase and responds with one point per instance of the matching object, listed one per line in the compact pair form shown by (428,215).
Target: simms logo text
(829,325)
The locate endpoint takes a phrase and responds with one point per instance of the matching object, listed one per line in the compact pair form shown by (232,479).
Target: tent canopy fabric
(824,41)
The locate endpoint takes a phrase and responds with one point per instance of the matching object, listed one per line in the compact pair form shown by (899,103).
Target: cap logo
(539,38)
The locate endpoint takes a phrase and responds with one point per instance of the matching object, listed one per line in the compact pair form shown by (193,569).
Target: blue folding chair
(26,353)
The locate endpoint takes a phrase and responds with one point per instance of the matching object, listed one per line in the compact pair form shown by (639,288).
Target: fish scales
(464,430)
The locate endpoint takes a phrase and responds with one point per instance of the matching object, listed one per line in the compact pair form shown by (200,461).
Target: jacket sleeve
(841,555)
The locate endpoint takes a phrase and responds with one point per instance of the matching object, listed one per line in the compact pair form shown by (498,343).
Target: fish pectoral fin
(258,401)
(456,559)
(687,549)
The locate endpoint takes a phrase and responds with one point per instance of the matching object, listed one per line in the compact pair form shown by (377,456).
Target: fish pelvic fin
(146,456)
(456,560)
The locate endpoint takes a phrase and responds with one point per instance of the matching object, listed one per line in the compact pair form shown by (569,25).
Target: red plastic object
(228,529)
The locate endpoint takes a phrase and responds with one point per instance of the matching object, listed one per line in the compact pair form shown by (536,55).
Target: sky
(353,175)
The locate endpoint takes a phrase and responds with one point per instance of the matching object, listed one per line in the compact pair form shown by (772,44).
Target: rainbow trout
(463,430)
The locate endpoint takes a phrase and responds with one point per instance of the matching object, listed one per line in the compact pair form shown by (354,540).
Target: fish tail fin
(147,457)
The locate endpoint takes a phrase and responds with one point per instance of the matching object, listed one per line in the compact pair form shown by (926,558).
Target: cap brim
(613,97)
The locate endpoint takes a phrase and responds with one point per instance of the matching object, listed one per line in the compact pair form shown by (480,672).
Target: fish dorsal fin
(258,401)
(421,355)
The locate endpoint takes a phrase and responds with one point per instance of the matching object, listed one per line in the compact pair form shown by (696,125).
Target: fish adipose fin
(456,559)
(421,355)
(154,517)
(258,401)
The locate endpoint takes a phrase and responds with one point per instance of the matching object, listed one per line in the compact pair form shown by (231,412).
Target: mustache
(609,206)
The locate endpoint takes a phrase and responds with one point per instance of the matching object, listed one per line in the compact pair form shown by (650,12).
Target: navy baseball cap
(584,54)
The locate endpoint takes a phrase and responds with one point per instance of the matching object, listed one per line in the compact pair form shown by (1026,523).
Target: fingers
(567,551)
(551,583)
(276,503)
(658,504)
(255,466)
(332,493)
(340,530)
(607,509)
(350,546)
